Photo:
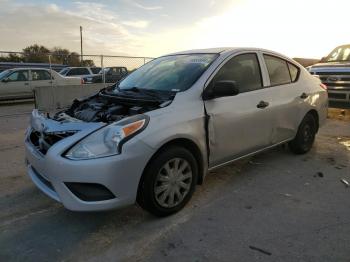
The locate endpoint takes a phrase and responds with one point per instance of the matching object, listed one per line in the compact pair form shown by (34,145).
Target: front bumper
(120,174)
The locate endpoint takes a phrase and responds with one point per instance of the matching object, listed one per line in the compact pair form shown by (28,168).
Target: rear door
(16,85)
(239,124)
(40,78)
(287,96)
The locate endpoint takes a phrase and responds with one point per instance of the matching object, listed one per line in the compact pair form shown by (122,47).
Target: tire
(303,141)
(168,182)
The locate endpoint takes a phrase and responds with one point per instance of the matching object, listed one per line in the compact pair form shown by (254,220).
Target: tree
(59,55)
(40,54)
(36,54)
(12,57)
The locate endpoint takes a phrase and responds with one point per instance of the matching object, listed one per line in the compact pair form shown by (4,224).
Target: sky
(297,28)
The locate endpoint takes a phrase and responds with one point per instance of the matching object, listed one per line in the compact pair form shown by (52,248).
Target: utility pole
(81,45)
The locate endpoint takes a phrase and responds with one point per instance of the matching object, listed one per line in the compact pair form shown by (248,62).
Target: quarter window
(244,70)
(294,72)
(18,76)
(278,70)
(38,75)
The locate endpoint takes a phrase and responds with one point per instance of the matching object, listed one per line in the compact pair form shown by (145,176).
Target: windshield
(339,54)
(4,74)
(95,70)
(64,71)
(169,73)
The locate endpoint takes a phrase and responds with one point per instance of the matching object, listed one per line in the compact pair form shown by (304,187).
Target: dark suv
(111,74)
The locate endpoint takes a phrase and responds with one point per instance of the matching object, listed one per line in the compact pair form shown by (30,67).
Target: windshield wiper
(147,92)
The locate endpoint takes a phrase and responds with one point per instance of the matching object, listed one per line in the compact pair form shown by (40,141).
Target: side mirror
(221,89)
(5,80)
(323,59)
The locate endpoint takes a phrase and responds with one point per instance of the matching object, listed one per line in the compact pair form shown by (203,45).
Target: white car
(80,71)
(19,83)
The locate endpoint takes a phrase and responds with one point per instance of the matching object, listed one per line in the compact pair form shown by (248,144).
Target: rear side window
(38,75)
(244,70)
(278,70)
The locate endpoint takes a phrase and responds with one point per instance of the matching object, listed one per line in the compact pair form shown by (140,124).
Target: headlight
(108,140)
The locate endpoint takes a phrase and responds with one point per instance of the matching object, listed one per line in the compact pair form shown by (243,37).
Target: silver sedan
(154,136)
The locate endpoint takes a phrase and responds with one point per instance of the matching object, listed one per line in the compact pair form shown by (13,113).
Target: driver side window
(18,76)
(244,70)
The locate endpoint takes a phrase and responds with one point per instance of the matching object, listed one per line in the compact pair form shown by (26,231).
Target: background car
(80,71)
(334,72)
(111,75)
(19,83)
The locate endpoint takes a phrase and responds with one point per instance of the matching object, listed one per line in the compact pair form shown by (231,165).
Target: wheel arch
(186,143)
(314,113)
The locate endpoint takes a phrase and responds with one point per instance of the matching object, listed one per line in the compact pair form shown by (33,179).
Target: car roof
(215,50)
(229,50)
(219,50)
(30,68)
(70,67)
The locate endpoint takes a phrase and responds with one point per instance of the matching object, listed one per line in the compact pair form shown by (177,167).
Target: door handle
(26,84)
(304,95)
(262,104)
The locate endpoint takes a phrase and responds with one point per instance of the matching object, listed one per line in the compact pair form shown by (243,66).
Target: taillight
(323,86)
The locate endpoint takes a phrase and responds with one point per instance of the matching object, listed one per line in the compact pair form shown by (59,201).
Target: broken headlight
(108,140)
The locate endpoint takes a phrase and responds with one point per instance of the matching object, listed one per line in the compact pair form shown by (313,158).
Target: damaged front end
(112,117)
(109,106)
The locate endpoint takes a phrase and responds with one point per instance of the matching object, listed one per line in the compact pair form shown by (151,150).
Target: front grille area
(337,95)
(43,141)
(338,84)
(339,78)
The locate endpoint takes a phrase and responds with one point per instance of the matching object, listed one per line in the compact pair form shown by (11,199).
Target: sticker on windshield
(175,90)
(203,60)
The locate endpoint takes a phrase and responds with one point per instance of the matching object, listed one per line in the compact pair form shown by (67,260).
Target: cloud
(136,24)
(50,25)
(147,7)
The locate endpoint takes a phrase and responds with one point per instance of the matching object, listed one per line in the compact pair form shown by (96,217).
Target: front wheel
(168,182)
(303,141)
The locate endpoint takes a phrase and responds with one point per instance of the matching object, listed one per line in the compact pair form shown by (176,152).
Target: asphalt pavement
(276,206)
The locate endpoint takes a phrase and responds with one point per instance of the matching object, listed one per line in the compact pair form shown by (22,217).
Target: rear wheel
(303,141)
(168,182)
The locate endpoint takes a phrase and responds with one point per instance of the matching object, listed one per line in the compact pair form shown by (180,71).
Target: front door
(41,78)
(239,124)
(16,85)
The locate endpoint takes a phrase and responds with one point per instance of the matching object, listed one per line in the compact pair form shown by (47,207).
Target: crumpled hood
(41,123)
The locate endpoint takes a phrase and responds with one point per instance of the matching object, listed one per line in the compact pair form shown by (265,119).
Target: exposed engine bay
(104,107)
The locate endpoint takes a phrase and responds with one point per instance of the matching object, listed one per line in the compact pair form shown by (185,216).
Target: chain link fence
(58,61)
(95,72)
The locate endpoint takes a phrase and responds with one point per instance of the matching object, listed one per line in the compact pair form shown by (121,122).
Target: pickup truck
(334,71)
